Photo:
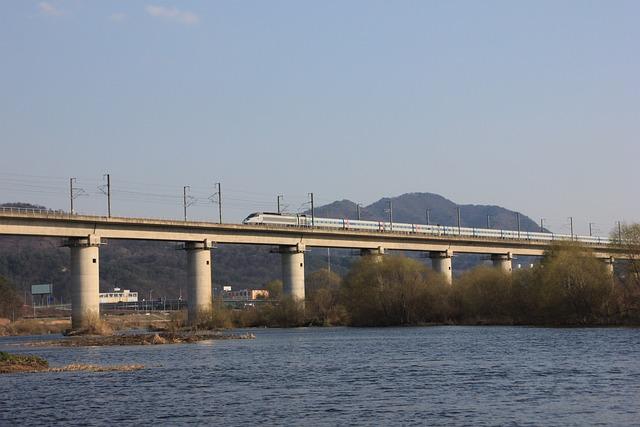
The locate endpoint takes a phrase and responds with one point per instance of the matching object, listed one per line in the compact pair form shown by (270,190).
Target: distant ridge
(412,207)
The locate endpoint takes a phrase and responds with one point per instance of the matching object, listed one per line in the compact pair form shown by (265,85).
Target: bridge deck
(56,224)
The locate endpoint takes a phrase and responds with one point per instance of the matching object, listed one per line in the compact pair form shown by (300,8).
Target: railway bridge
(84,234)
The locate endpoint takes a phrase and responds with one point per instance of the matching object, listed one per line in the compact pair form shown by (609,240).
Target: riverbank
(152,321)
(166,328)
(25,363)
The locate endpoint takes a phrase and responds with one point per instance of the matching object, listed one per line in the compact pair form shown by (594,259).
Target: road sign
(43,289)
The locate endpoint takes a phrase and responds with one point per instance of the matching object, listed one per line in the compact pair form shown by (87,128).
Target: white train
(301,220)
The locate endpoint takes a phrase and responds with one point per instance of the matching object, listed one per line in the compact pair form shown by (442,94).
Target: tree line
(570,287)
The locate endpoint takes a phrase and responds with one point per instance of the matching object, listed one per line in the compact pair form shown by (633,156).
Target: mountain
(412,208)
(159,267)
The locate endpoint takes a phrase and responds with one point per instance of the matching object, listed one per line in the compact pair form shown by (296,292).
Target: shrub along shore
(570,287)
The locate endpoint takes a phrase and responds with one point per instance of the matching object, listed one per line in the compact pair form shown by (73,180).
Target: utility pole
(391,214)
(184,200)
(71,193)
(74,192)
(518,220)
(458,212)
(358,211)
(278,202)
(219,202)
(542,225)
(106,190)
(428,216)
(313,216)
(329,259)
(571,224)
(108,195)
(488,221)
(590,225)
(620,232)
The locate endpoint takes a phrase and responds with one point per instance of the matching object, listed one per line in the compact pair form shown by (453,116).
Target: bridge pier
(503,262)
(375,254)
(85,280)
(293,271)
(441,262)
(198,279)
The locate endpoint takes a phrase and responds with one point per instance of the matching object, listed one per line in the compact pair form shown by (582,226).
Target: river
(336,376)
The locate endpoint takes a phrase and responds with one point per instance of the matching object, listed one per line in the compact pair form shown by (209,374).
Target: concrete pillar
(441,262)
(609,264)
(502,261)
(293,271)
(198,278)
(376,253)
(85,280)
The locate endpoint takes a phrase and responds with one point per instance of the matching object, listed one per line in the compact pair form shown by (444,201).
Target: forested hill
(158,266)
(412,207)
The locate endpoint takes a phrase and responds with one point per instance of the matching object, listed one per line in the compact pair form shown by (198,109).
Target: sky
(534,106)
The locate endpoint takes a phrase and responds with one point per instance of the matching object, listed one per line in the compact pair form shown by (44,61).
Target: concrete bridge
(84,234)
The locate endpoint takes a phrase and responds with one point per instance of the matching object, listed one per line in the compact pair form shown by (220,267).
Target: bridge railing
(34,211)
(51,213)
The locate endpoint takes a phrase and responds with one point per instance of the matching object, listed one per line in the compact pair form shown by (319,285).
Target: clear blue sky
(534,106)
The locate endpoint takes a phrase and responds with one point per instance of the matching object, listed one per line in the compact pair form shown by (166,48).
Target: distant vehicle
(303,220)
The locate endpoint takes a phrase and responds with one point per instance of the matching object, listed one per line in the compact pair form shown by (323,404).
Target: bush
(219,317)
(286,314)
(525,302)
(627,295)
(570,287)
(177,321)
(323,299)
(483,295)
(574,286)
(394,291)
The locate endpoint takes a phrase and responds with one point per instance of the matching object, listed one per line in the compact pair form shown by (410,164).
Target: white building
(118,296)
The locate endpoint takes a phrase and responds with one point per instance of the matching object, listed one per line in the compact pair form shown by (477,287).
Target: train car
(270,218)
(303,220)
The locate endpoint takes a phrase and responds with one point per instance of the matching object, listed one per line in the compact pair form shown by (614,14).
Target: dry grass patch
(35,327)
(19,363)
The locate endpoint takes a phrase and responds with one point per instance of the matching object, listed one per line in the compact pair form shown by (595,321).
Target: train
(303,220)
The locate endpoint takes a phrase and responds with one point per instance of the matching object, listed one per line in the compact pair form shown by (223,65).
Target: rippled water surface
(329,376)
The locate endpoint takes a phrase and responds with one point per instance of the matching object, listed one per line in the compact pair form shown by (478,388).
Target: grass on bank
(11,363)
(35,327)
(19,363)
